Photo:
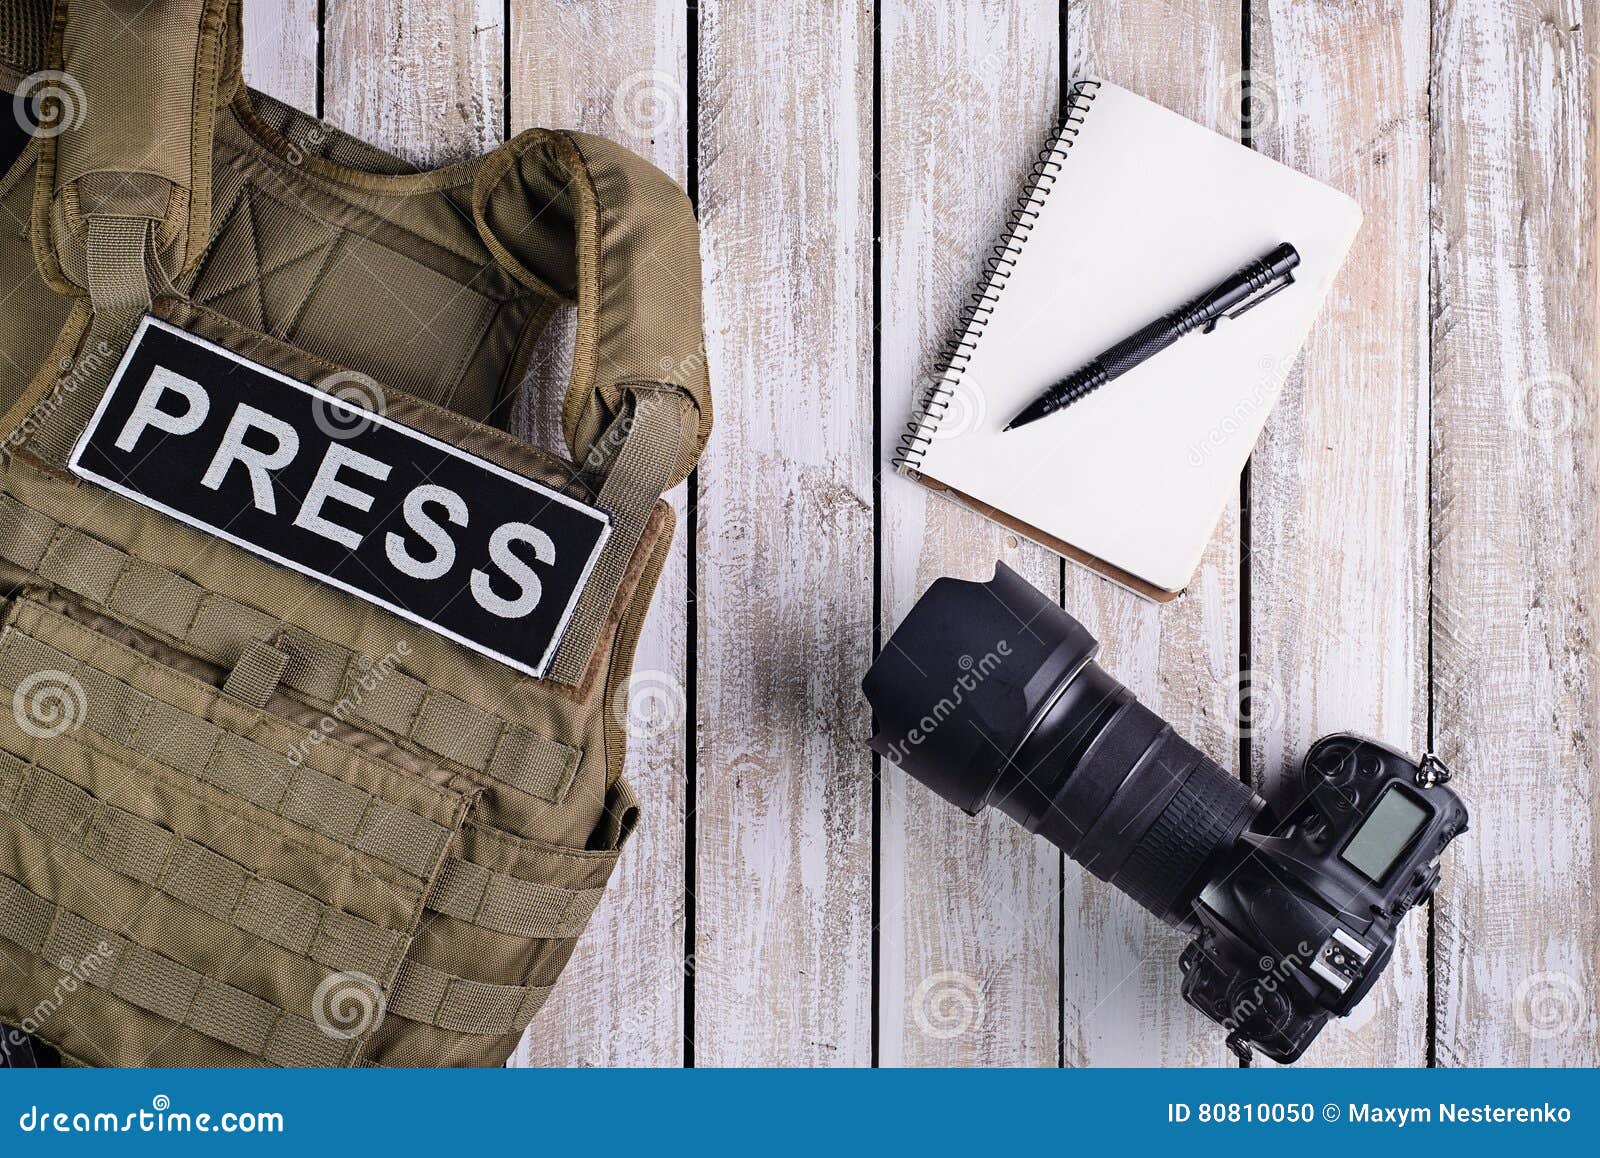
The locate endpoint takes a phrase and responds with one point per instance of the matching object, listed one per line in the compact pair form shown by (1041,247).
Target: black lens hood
(967,676)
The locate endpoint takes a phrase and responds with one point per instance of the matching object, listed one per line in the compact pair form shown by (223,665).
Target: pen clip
(1283,283)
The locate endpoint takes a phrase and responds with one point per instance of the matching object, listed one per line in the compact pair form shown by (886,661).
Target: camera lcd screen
(1384,835)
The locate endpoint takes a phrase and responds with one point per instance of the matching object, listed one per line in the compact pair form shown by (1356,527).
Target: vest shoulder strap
(130,165)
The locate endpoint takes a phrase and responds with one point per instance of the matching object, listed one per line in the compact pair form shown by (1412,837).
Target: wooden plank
(1338,537)
(969,908)
(785,553)
(1121,982)
(421,78)
(280,50)
(1516,516)
(619,69)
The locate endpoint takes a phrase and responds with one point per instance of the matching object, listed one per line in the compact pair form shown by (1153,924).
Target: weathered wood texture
(1121,1003)
(620,69)
(784,823)
(1470,143)
(1516,516)
(425,79)
(280,50)
(1338,484)
(969,908)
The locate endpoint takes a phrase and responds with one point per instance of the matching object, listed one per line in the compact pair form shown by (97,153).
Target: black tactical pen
(1242,290)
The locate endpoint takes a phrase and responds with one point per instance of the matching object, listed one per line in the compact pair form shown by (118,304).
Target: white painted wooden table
(1413,554)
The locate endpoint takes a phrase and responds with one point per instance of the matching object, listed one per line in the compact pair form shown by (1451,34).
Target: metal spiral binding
(929,410)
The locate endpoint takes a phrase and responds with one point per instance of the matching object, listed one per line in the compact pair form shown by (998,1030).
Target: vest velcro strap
(64,814)
(220,630)
(427,995)
(146,980)
(511,905)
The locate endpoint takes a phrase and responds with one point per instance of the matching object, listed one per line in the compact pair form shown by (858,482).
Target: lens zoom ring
(1201,817)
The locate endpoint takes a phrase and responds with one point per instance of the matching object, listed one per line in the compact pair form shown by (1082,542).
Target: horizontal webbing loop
(508,904)
(427,995)
(64,814)
(219,629)
(195,747)
(159,985)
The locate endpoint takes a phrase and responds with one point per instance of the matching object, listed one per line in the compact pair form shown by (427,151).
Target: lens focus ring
(1206,814)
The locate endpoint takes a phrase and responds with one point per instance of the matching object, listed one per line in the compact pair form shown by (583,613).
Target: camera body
(1299,919)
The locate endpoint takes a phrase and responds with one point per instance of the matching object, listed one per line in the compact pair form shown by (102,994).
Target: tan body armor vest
(249,814)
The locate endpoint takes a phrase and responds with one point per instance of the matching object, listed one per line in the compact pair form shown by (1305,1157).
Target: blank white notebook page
(1148,211)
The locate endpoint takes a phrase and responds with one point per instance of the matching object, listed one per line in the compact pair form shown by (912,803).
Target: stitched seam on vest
(112,837)
(158,985)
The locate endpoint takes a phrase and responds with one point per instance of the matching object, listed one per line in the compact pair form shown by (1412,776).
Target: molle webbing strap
(508,904)
(66,815)
(146,980)
(424,994)
(220,630)
(192,746)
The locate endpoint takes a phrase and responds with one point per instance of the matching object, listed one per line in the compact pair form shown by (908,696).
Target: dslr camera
(989,694)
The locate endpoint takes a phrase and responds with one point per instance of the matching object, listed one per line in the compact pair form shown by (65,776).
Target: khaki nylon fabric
(245,818)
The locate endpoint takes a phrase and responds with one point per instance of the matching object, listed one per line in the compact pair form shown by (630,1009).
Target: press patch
(346,495)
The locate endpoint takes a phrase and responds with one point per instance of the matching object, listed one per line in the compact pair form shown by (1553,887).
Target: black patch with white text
(297,475)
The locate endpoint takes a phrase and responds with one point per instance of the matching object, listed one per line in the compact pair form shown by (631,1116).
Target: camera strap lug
(1432,771)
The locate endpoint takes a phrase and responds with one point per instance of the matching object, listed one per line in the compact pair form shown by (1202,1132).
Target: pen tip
(1005,428)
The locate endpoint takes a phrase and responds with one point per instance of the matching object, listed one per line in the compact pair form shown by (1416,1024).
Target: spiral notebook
(1132,211)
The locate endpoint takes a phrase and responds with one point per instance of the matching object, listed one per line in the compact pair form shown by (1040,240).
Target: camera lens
(988,693)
